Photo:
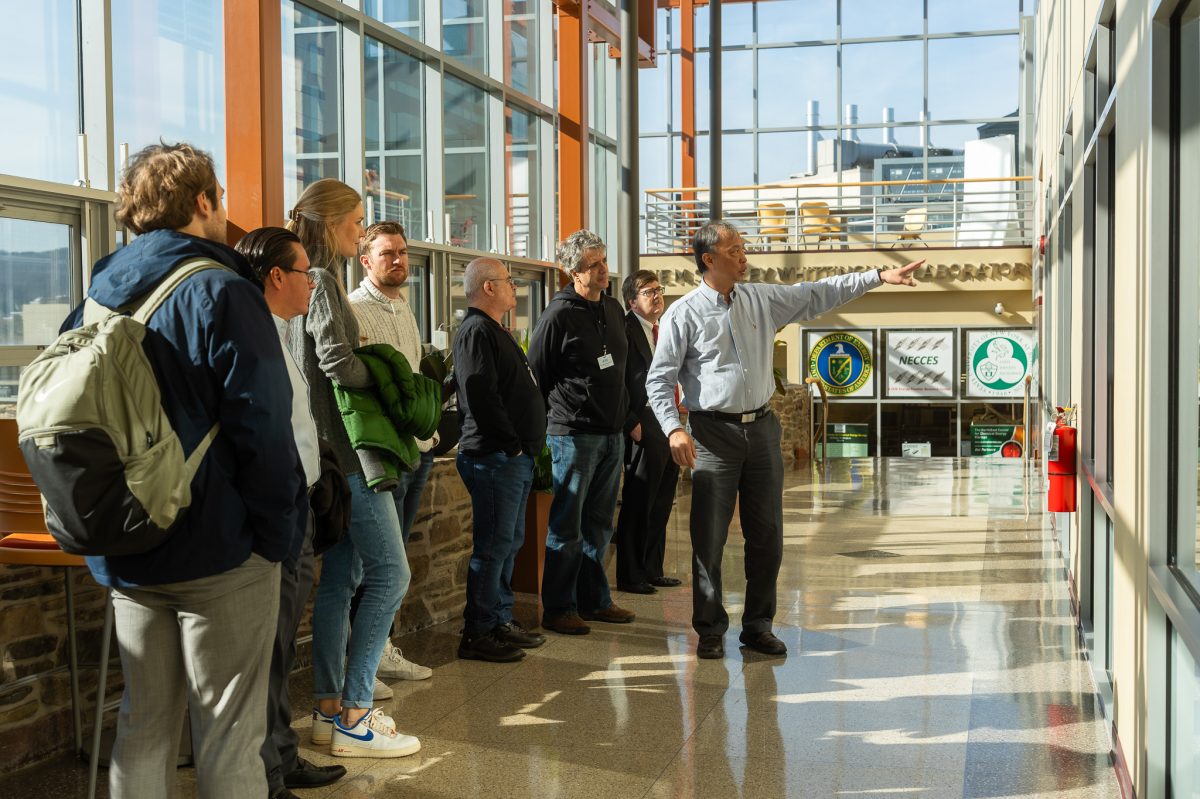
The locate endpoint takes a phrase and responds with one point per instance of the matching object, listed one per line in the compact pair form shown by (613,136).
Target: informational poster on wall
(849,440)
(843,360)
(997,362)
(920,363)
(997,440)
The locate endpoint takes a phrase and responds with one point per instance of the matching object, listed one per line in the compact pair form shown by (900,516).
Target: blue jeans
(372,553)
(407,495)
(587,471)
(499,488)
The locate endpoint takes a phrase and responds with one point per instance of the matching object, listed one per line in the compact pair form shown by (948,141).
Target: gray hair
(707,238)
(479,271)
(571,249)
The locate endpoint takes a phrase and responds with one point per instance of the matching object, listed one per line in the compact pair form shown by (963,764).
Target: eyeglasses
(507,280)
(309,275)
(658,292)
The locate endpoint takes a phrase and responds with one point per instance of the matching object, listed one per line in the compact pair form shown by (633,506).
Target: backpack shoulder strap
(146,308)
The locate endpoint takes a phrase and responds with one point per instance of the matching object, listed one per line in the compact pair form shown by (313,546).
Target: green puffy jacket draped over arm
(389,417)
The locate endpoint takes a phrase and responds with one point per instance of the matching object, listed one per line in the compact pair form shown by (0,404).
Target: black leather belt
(736,418)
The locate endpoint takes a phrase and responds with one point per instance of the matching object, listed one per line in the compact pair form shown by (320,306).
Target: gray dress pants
(205,646)
(736,462)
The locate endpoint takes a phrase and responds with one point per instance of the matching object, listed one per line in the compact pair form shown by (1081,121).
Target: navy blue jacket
(215,350)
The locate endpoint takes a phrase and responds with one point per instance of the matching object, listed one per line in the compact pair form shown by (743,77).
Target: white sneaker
(382,691)
(322,727)
(397,667)
(373,736)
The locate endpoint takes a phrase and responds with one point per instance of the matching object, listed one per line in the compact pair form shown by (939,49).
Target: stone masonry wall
(35,700)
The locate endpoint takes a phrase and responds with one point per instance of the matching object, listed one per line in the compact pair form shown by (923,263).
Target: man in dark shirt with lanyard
(578,356)
(503,427)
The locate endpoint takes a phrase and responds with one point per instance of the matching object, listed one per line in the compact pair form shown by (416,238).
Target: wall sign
(843,362)
(920,363)
(998,361)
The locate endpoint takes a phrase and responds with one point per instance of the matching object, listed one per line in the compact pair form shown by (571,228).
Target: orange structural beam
(253,116)
(573,59)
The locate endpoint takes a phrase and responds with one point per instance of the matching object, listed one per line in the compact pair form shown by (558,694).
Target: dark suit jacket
(637,365)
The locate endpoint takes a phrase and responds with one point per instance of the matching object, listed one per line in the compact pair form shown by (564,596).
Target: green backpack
(94,434)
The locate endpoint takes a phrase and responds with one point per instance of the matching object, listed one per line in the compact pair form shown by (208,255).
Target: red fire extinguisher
(1060,464)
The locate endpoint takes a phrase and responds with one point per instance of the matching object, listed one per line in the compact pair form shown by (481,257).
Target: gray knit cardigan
(323,343)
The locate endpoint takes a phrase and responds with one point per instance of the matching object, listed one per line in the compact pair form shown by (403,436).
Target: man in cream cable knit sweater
(384,317)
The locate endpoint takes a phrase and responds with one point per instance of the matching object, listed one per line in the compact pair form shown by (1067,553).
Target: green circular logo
(1000,363)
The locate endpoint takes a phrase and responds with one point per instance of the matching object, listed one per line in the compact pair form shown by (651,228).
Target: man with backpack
(196,614)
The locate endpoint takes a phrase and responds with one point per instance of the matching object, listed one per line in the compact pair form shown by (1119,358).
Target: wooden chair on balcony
(816,221)
(24,541)
(772,224)
(916,219)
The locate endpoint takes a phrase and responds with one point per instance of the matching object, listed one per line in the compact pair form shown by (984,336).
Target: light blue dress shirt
(721,353)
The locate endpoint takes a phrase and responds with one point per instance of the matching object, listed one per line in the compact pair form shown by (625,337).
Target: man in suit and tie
(650,472)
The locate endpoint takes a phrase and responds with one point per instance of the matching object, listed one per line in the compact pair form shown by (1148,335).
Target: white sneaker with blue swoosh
(374,735)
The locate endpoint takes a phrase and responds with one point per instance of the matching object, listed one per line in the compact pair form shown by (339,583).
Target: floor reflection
(932,654)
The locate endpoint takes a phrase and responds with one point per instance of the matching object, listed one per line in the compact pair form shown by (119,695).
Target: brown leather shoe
(566,624)
(611,614)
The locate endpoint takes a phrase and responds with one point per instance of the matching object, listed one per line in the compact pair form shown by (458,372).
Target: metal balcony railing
(959,212)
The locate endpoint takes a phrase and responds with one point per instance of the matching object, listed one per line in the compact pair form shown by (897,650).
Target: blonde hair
(322,205)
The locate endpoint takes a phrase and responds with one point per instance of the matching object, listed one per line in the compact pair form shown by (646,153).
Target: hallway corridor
(932,654)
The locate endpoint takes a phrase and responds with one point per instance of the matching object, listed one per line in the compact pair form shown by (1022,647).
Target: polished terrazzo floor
(932,654)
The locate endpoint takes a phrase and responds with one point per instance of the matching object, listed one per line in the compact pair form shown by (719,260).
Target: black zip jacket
(570,338)
(499,405)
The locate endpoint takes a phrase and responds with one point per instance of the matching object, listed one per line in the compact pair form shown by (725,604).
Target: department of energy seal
(842,361)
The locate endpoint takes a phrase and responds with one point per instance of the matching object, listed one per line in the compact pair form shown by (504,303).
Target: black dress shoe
(665,582)
(711,647)
(310,775)
(637,588)
(488,647)
(764,642)
(515,634)
(284,793)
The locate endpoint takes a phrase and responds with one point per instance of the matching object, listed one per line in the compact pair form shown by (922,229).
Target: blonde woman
(328,220)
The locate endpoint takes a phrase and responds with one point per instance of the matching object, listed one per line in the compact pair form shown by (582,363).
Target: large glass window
(1186,99)
(654,97)
(737,24)
(884,75)
(987,89)
(169,74)
(789,77)
(403,15)
(522,192)
(737,101)
(466,154)
(521,31)
(862,18)
(311,99)
(804,56)
(1185,721)
(796,20)
(952,16)
(40,101)
(35,280)
(464,32)
(393,107)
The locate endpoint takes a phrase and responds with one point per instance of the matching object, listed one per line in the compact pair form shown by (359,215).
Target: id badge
(605,360)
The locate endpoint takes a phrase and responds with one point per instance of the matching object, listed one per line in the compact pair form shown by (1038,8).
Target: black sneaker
(487,647)
(515,634)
